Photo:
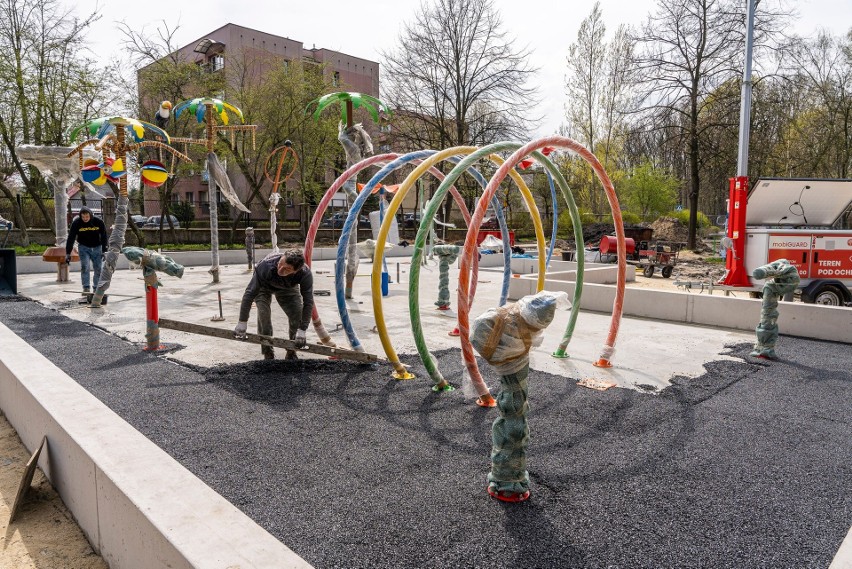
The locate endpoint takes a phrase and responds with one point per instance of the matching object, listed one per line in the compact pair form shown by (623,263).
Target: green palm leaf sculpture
(357,100)
(99,127)
(198,107)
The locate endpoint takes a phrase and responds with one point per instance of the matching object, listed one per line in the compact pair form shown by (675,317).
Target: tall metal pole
(745,97)
(736,274)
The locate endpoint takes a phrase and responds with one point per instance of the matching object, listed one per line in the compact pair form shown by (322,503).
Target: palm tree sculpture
(109,135)
(205,110)
(356,144)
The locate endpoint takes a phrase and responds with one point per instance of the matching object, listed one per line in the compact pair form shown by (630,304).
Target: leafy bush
(683,217)
(630,218)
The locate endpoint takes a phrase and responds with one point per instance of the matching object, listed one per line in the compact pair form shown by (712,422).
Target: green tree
(184,211)
(161,73)
(650,191)
(274,95)
(48,86)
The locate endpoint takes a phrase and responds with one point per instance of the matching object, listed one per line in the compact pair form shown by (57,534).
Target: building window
(335,80)
(286,65)
(217,62)
(202,197)
(189,197)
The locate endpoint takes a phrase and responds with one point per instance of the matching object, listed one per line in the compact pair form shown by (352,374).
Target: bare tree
(584,85)
(689,48)
(458,77)
(616,94)
(821,68)
(48,86)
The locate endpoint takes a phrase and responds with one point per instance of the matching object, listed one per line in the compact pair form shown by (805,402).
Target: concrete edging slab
(830,323)
(138,506)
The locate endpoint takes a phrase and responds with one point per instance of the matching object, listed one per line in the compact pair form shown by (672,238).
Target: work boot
(87,290)
(291,355)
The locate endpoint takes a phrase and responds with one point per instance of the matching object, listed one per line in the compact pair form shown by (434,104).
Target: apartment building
(211,51)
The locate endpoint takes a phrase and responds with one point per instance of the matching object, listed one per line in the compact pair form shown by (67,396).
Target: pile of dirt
(670,229)
(693,266)
(592,234)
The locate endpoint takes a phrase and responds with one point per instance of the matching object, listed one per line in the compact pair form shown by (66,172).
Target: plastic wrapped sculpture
(284,153)
(250,247)
(503,337)
(59,171)
(447,254)
(356,145)
(110,136)
(151,263)
(205,110)
(782,278)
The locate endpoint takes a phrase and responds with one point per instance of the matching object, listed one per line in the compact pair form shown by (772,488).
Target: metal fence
(292,219)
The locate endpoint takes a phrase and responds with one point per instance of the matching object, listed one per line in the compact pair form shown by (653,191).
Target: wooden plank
(318,349)
(26,480)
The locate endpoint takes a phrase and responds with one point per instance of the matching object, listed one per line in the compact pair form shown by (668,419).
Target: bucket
(8,272)
(385,283)
(567,255)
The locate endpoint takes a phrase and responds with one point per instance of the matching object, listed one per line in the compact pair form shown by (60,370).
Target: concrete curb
(33,264)
(138,506)
(830,323)
(843,558)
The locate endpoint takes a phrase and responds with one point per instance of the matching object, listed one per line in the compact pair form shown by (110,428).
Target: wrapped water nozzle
(504,336)
(367,248)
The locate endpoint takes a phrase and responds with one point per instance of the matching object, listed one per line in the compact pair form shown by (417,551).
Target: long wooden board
(318,349)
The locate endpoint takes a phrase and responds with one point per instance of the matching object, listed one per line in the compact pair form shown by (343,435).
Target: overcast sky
(365,28)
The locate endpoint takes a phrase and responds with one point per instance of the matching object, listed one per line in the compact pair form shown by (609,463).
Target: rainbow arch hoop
(480,211)
(470,246)
(426,160)
(468,260)
(378,160)
(414,308)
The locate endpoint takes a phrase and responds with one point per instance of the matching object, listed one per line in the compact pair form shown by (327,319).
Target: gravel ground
(747,466)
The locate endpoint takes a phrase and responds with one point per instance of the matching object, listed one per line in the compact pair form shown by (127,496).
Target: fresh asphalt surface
(749,465)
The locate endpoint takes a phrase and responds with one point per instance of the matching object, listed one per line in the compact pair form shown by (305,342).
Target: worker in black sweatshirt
(288,278)
(90,234)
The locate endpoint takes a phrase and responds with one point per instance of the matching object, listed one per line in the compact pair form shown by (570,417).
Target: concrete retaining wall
(796,319)
(32,265)
(138,507)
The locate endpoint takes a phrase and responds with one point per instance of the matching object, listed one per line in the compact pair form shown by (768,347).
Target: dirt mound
(670,229)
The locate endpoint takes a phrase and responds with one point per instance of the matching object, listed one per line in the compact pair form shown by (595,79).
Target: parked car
(139,220)
(411,220)
(337,220)
(153,222)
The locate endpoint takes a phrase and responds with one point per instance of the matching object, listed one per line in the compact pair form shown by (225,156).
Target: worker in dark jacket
(288,278)
(90,233)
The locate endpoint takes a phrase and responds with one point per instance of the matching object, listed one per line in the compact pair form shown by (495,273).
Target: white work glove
(240,330)
(300,338)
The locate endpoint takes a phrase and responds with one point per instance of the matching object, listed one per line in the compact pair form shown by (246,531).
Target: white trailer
(809,223)
(823,258)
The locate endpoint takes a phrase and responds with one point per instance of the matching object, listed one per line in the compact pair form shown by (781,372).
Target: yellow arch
(399,370)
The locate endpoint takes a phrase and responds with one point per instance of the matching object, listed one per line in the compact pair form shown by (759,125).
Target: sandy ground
(44,535)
